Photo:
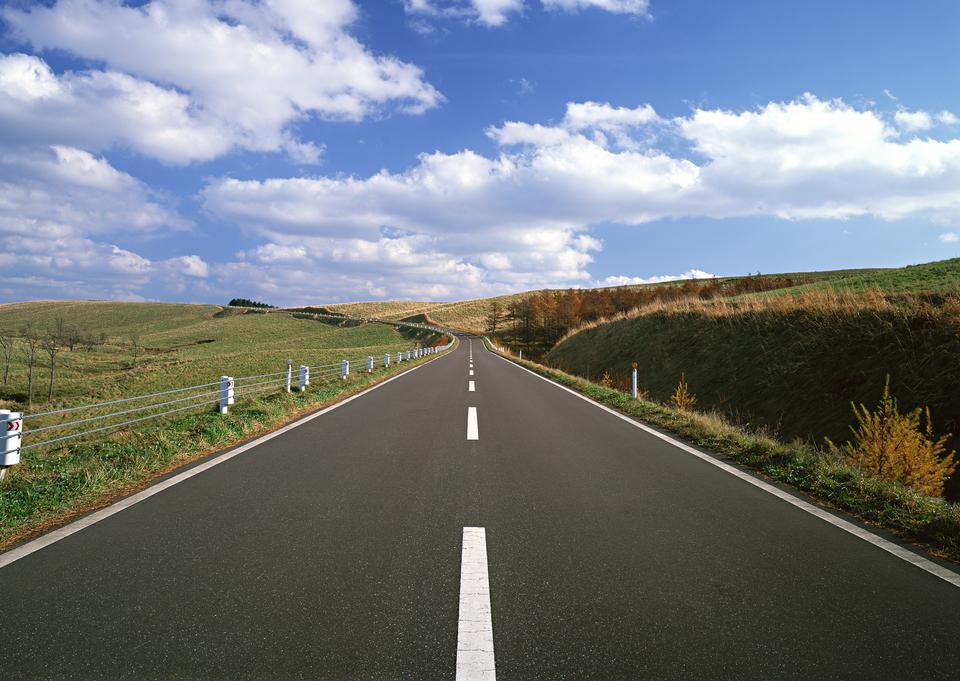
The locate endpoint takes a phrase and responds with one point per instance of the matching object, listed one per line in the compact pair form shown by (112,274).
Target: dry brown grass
(825,303)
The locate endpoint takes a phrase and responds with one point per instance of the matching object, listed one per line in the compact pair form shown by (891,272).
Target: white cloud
(187,80)
(636,7)
(913,121)
(60,210)
(947,118)
(495,13)
(465,224)
(625,281)
(491,13)
(949,238)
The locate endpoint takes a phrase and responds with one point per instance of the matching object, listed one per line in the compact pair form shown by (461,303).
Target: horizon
(443,150)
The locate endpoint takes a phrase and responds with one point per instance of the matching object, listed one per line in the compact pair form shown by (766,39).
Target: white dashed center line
(473,431)
(471,372)
(475,661)
(472,387)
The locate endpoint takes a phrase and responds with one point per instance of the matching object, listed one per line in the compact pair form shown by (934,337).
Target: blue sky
(309,152)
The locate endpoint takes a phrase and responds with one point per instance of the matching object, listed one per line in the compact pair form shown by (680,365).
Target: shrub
(897,446)
(682,398)
(606,380)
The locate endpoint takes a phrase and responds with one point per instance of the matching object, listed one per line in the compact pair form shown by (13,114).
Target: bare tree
(59,328)
(7,346)
(136,349)
(32,341)
(51,347)
(73,338)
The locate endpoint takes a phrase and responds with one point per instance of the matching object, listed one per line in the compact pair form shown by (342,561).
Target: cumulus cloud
(188,80)
(949,238)
(60,208)
(913,121)
(465,224)
(625,281)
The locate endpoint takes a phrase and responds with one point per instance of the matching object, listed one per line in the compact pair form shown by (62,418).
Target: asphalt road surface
(398,537)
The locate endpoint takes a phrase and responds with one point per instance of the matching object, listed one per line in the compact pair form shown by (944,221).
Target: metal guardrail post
(408,355)
(289,374)
(370,363)
(344,369)
(226,393)
(11,426)
(399,356)
(386,360)
(304,377)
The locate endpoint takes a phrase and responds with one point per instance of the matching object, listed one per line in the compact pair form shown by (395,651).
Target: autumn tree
(494,317)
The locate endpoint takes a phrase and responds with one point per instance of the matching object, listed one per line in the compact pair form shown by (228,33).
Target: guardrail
(85,420)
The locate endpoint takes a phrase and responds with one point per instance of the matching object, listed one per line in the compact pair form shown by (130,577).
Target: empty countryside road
(367,543)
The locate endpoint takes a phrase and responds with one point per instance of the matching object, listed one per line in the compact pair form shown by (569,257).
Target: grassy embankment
(790,362)
(183,345)
(930,522)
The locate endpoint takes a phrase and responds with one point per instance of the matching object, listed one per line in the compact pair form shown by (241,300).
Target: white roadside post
(11,427)
(408,355)
(304,377)
(399,356)
(370,364)
(521,354)
(289,375)
(633,381)
(386,360)
(226,393)
(344,369)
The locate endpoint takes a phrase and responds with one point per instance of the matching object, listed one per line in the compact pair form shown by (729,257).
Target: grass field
(791,362)
(183,345)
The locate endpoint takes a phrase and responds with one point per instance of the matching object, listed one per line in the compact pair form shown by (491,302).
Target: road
(376,540)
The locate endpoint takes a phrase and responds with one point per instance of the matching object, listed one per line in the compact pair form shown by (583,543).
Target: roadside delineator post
(226,393)
(386,360)
(633,381)
(289,382)
(344,369)
(369,363)
(399,356)
(304,377)
(11,429)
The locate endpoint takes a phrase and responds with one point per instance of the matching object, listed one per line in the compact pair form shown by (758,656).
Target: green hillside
(182,345)
(792,361)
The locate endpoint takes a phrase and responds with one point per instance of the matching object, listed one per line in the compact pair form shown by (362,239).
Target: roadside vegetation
(832,477)
(147,348)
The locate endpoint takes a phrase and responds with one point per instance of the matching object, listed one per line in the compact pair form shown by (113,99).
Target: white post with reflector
(370,363)
(344,369)
(633,381)
(226,393)
(386,360)
(11,427)
(304,377)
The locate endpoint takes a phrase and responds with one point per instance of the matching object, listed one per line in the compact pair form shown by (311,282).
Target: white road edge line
(472,387)
(900,552)
(475,660)
(24,550)
(473,432)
